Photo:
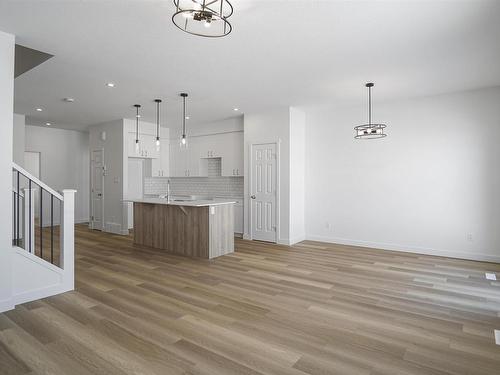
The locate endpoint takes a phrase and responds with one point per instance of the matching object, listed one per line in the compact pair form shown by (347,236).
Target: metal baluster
(14,207)
(17,234)
(41,222)
(51,229)
(29,207)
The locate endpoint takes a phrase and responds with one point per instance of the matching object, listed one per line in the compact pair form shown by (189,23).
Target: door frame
(91,220)
(277,143)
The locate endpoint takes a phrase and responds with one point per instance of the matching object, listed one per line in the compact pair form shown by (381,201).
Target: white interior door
(97,190)
(263,192)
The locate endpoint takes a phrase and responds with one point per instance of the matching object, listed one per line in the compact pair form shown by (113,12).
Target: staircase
(42,238)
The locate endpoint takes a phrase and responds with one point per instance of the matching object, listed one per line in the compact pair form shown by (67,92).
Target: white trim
(406,249)
(6,305)
(37,181)
(38,260)
(277,143)
(296,240)
(44,292)
(91,215)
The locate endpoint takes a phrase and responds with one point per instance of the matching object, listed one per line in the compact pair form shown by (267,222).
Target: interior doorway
(263,192)
(97,173)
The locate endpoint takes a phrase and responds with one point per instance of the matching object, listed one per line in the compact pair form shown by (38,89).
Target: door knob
(253,197)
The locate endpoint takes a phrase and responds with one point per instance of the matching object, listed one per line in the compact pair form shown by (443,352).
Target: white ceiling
(280,53)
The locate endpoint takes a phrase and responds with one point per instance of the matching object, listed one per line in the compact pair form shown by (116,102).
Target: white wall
(268,127)
(115,210)
(6,140)
(64,161)
(19,139)
(297,175)
(432,186)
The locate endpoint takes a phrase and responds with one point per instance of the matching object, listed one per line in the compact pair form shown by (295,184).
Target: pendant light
(137,116)
(157,101)
(208,18)
(370,131)
(183,141)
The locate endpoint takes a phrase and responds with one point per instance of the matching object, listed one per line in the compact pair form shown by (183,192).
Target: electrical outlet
(328,225)
(470,237)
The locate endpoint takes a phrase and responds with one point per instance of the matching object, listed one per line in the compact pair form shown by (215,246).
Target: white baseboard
(37,294)
(297,239)
(407,249)
(6,305)
(113,228)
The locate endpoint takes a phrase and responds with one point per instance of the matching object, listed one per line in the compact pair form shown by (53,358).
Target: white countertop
(188,203)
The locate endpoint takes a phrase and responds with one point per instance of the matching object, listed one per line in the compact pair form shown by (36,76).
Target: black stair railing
(26,191)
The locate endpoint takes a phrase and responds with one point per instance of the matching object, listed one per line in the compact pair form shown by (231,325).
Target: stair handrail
(37,181)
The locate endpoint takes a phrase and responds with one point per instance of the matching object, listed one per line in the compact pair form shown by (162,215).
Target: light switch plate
(497,336)
(212,210)
(490,276)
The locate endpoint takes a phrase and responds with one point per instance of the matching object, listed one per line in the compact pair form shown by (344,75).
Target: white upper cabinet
(147,146)
(193,161)
(232,154)
(179,159)
(160,167)
(211,146)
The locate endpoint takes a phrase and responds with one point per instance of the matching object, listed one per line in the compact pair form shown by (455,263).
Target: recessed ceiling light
(69,100)
(236,109)
(187,117)
(110,84)
(39,109)
(48,123)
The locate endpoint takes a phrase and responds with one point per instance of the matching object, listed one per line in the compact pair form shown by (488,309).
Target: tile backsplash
(208,186)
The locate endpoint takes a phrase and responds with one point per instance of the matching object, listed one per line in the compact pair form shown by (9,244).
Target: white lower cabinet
(238,213)
(238,218)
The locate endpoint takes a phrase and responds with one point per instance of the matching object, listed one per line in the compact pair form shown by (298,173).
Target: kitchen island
(194,228)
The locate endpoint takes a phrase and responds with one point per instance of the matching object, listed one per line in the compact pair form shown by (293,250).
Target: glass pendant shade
(183,141)
(208,18)
(370,130)
(157,101)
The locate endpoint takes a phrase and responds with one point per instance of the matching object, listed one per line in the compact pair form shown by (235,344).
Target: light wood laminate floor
(310,309)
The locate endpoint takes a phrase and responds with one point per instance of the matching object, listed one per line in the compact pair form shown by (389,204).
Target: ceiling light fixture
(39,109)
(137,116)
(48,123)
(187,117)
(69,100)
(208,18)
(183,141)
(236,109)
(370,131)
(157,101)
(110,84)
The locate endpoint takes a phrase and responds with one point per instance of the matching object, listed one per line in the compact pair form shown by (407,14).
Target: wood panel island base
(200,229)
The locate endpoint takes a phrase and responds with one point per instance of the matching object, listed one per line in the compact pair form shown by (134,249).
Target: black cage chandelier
(370,131)
(207,18)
